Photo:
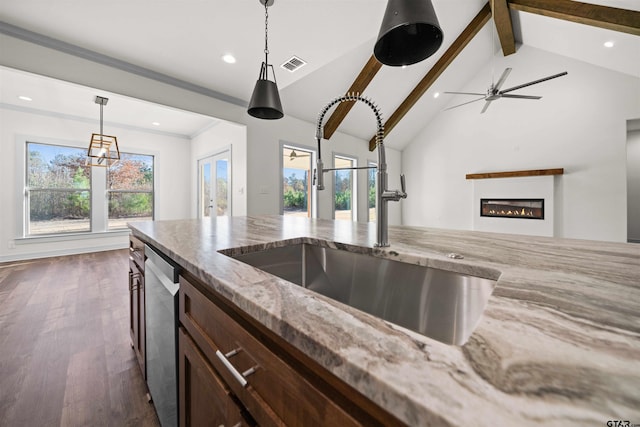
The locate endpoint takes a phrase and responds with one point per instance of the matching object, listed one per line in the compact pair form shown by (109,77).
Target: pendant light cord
(101,131)
(266,35)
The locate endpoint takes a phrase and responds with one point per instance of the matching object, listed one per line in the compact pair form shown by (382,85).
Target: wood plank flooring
(65,350)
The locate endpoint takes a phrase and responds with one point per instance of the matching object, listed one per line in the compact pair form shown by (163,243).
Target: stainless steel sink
(440,304)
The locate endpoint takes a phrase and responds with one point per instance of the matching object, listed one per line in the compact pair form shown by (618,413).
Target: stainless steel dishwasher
(161,308)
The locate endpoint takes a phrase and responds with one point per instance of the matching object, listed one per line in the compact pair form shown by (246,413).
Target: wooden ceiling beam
(504,26)
(611,18)
(456,47)
(361,82)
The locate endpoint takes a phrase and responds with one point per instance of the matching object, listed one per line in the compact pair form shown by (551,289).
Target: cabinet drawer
(206,398)
(274,393)
(136,252)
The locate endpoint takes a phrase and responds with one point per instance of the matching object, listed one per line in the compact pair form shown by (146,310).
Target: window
(130,190)
(62,194)
(297,194)
(371,191)
(58,190)
(345,188)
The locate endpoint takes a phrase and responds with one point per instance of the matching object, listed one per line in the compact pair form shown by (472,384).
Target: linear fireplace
(512,208)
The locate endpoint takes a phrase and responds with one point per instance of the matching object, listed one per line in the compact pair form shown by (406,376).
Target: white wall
(171,178)
(633,186)
(264,160)
(222,136)
(579,125)
(263,137)
(536,187)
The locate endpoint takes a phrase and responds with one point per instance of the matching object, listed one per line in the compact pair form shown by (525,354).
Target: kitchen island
(558,342)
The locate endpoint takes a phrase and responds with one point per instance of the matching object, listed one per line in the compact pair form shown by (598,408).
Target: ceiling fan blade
(534,82)
(508,95)
(503,77)
(486,105)
(467,93)
(464,103)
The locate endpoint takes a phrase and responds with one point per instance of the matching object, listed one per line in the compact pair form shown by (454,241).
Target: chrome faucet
(383,194)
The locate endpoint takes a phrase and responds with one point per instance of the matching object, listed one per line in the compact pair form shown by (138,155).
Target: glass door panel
(214,183)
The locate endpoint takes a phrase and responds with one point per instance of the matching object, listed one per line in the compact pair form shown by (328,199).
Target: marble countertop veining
(558,343)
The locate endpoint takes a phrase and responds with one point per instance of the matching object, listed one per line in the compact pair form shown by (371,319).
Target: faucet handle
(403,185)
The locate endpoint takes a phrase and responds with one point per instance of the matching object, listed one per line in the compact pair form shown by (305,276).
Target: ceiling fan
(494,91)
(295,155)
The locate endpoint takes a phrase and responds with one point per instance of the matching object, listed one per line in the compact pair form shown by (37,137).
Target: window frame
(313,199)
(27,190)
(99,200)
(109,191)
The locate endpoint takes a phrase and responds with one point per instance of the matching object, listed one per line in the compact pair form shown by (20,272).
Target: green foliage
(372,188)
(372,197)
(343,200)
(130,205)
(295,199)
(59,189)
(295,192)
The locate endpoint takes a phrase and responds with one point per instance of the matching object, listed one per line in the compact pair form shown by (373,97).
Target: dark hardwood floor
(65,351)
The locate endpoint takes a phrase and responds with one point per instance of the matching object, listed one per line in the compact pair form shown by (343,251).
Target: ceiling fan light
(409,33)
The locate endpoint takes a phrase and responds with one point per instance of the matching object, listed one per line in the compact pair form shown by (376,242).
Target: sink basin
(439,304)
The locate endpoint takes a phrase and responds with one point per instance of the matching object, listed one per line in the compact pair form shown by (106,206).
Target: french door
(214,185)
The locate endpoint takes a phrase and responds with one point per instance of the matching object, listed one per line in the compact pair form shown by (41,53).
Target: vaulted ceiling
(184,42)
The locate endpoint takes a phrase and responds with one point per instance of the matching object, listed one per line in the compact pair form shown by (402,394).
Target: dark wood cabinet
(275,383)
(136,300)
(205,398)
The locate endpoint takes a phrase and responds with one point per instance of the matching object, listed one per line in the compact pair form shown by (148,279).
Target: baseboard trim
(63,252)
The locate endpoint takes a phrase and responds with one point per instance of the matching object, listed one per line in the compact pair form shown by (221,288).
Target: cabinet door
(136,313)
(272,391)
(205,400)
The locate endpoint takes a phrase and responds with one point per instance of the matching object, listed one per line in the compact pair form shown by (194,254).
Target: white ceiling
(186,40)
(63,99)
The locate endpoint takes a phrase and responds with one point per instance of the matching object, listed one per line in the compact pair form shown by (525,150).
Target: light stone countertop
(557,345)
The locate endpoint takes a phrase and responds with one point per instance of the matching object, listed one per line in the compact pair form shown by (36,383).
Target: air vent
(293,64)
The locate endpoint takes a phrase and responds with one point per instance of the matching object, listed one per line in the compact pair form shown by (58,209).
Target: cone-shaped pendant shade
(265,101)
(409,33)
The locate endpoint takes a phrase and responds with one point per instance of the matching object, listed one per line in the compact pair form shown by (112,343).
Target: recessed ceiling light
(437,94)
(25,98)
(156,123)
(608,44)
(229,59)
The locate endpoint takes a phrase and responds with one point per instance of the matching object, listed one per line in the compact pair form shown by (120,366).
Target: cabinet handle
(240,377)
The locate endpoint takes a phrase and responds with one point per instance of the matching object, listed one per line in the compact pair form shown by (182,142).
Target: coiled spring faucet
(383,194)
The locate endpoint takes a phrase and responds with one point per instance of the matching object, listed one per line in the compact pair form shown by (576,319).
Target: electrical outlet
(11,244)
(264,189)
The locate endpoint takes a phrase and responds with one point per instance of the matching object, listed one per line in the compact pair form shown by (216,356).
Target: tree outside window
(58,190)
(371,191)
(344,189)
(130,190)
(296,185)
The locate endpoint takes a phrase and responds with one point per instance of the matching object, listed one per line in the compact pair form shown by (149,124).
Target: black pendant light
(409,33)
(265,101)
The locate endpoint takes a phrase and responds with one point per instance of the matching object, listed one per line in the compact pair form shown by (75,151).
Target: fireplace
(512,208)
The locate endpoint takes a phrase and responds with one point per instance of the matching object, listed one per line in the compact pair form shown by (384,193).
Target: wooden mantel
(513,174)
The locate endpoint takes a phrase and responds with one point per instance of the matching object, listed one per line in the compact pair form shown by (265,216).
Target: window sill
(71,236)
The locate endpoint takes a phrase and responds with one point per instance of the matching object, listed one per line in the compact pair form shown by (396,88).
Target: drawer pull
(240,377)
(249,371)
